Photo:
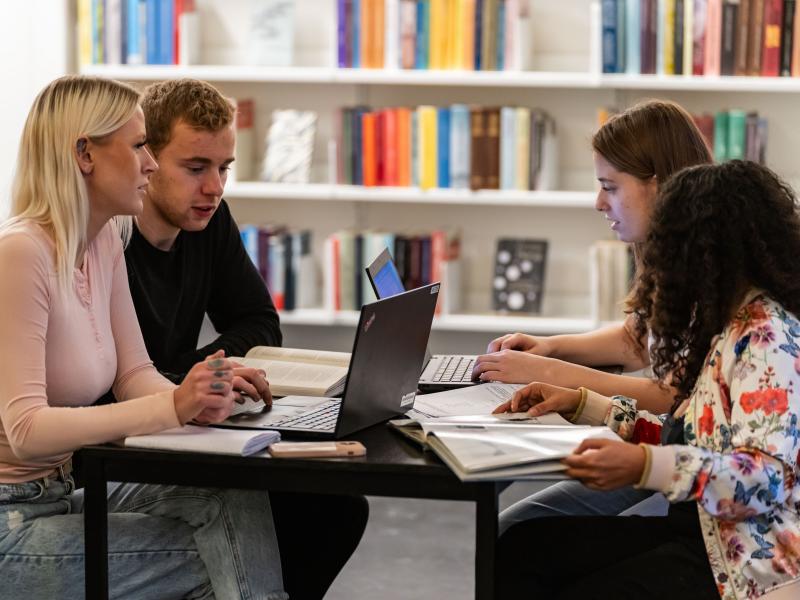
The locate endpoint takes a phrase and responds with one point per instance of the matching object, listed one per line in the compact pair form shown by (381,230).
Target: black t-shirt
(205,271)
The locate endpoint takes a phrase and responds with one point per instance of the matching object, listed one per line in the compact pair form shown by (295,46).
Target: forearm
(649,394)
(611,345)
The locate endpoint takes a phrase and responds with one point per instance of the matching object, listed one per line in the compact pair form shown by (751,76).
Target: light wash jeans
(163,542)
(572,499)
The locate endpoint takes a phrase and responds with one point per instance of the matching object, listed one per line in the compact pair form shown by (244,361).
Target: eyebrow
(205,161)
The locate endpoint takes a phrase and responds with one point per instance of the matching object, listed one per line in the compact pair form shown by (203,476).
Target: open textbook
(292,371)
(478,446)
(193,438)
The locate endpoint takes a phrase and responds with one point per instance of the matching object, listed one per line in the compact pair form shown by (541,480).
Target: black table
(393,467)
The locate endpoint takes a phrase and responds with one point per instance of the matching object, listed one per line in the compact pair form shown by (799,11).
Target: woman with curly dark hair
(719,292)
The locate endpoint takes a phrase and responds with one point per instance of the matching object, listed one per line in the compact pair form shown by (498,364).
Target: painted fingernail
(219,373)
(216,363)
(218,385)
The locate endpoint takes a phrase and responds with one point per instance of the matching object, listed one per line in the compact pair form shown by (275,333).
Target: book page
(323,357)
(192,438)
(303,378)
(479,399)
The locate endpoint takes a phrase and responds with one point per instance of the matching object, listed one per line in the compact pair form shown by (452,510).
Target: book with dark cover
(610,35)
(648,39)
(492,145)
(358,292)
(789,6)
(477,123)
(519,272)
(424,260)
(755,37)
(771,46)
(730,10)
(678,38)
(289,296)
(742,38)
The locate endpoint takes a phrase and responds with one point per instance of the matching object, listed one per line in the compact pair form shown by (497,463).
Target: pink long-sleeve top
(60,352)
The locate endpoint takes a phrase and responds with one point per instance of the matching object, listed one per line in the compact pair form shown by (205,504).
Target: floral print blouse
(740,458)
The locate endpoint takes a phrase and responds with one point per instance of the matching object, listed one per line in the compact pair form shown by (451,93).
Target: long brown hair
(717,231)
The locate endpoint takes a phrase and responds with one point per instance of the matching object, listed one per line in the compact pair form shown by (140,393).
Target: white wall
(34,49)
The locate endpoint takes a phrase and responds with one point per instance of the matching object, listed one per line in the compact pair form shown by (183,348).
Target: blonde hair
(48,186)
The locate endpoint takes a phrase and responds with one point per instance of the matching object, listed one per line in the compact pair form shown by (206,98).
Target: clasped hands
(599,464)
(210,388)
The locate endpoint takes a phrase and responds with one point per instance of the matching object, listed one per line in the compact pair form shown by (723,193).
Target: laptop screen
(387,281)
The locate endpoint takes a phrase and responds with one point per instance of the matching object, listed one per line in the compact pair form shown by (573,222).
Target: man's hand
(603,464)
(251,382)
(510,366)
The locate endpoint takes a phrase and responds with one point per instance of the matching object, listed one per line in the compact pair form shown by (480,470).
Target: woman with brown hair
(635,152)
(718,293)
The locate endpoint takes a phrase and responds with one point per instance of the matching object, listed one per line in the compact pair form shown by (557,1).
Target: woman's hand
(206,394)
(603,464)
(522,342)
(251,382)
(540,398)
(510,366)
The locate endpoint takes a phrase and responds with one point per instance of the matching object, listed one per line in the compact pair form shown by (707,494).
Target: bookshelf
(566,83)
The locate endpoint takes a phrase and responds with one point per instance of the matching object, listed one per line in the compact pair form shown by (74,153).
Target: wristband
(581,405)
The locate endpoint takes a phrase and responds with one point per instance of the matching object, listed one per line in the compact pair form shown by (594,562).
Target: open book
(501,447)
(476,445)
(292,371)
(211,440)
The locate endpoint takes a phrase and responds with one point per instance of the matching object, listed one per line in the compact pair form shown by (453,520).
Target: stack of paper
(212,440)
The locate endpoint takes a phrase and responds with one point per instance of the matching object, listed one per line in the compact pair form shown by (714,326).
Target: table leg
(95,523)
(485,540)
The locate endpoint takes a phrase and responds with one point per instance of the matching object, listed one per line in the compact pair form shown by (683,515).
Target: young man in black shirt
(186,259)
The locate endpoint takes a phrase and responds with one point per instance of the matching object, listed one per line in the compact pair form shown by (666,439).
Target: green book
(737,134)
(721,136)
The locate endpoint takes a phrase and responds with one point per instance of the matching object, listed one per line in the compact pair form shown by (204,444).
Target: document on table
(473,400)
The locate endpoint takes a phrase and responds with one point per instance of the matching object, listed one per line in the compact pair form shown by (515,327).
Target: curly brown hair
(196,103)
(717,231)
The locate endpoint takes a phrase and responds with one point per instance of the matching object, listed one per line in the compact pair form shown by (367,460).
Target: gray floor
(416,549)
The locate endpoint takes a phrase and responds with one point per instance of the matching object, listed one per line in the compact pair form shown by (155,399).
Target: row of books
(489,35)
(285,261)
(611,269)
(420,259)
(730,134)
(701,37)
(161,32)
(458,146)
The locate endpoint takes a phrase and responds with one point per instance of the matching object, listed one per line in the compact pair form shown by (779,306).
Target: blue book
(633,54)
(151,28)
(166,32)
(423,34)
(501,36)
(249,234)
(609,33)
(133,51)
(443,146)
(478,32)
(357,33)
(460,141)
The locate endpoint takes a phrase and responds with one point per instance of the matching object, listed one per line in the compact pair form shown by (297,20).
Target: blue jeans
(572,498)
(163,542)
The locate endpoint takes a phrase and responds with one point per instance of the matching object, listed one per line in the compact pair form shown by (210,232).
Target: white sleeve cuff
(595,410)
(662,468)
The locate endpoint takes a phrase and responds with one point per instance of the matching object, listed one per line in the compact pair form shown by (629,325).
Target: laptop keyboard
(321,419)
(455,369)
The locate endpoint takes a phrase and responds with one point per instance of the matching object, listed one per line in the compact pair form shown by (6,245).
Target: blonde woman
(68,331)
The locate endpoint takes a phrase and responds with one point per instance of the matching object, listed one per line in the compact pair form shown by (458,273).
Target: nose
(214,183)
(600,203)
(149,164)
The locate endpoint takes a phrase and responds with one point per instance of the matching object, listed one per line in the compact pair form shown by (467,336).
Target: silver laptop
(388,351)
(440,371)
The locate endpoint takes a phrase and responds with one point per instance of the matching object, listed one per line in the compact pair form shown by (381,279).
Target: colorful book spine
(713,42)
(667,45)
(737,132)
(787,37)
(355,42)
(152,28)
(369,164)
(443,146)
(423,34)
(522,154)
(721,136)
(699,21)
(755,37)
(633,50)
(408,33)
(341,33)
(688,36)
(508,143)
(771,47)
(459,146)
(428,160)
(730,9)
(609,36)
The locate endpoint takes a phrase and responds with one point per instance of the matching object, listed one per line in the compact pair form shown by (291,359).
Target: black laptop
(388,351)
(439,371)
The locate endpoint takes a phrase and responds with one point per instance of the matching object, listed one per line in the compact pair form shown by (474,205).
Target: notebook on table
(439,371)
(388,351)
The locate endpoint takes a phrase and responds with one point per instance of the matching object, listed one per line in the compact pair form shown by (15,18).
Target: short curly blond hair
(196,103)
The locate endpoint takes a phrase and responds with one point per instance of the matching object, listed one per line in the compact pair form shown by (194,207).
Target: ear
(84,156)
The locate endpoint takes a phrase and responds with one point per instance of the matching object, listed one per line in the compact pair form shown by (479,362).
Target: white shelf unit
(563,84)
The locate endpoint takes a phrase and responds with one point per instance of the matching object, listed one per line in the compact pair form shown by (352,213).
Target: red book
(713,47)
(369,164)
(699,37)
(771,47)
(390,147)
